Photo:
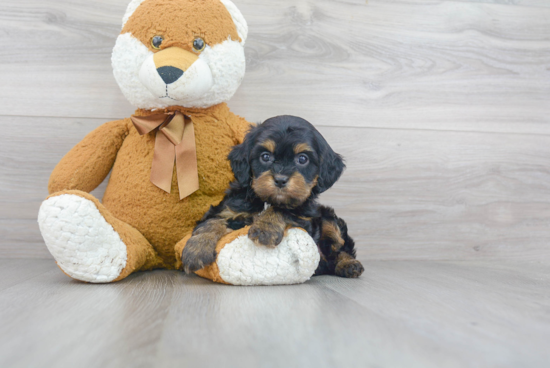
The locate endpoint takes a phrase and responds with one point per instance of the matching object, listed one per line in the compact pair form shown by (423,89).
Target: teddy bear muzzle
(176,74)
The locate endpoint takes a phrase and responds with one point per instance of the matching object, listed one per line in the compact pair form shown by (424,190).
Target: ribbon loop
(146,124)
(174,145)
(173,130)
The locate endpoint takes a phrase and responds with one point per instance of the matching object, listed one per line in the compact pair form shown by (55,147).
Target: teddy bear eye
(199,44)
(156,42)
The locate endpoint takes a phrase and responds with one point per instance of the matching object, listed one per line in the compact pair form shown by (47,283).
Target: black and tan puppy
(280,169)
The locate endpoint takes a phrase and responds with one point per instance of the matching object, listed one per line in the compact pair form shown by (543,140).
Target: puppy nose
(281,180)
(169,74)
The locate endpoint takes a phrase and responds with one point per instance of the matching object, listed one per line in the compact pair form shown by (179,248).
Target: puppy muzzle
(280,180)
(281,190)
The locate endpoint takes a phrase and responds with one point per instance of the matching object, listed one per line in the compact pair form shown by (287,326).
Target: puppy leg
(337,248)
(331,235)
(200,250)
(347,266)
(268,228)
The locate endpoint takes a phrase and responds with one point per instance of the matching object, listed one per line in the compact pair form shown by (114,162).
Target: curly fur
(285,163)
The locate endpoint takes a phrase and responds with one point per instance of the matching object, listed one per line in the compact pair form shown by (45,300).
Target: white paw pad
(294,261)
(84,245)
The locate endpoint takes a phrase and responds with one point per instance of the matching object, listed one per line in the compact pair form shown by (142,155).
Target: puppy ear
(240,163)
(331,165)
(239,157)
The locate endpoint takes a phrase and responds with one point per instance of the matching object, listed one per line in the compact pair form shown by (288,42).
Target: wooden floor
(399,314)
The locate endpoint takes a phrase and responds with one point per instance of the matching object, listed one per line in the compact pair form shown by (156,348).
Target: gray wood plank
(447,65)
(443,195)
(497,312)
(16,271)
(21,238)
(67,323)
(28,154)
(399,314)
(532,3)
(431,65)
(407,194)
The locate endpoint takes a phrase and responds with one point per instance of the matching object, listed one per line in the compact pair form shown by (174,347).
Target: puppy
(280,169)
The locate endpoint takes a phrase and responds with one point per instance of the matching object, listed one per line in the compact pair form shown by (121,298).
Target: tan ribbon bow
(175,142)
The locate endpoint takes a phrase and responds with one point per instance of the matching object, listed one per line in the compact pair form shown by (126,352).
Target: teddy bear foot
(293,261)
(84,244)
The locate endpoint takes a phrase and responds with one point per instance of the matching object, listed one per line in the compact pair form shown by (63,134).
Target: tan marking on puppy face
(179,22)
(302,147)
(332,232)
(264,186)
(292,195)
(176,57)
(298,189)
(269,145)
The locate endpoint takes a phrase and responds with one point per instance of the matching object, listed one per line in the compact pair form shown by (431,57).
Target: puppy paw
(264,235)
(199,252)
(350,269)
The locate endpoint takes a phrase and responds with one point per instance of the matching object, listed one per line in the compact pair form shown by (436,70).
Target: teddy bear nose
(169,74)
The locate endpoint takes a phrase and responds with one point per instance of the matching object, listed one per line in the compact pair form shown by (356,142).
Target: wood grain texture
(30,149)
(406,194)
(17,271)
(446,65)
(441,110)
(531,3)
(443,195)
(407,64)
(399,314)
(405,78)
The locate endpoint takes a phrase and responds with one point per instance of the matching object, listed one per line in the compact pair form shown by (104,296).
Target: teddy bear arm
(87,164)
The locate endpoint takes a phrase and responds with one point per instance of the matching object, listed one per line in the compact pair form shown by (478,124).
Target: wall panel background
(441,108)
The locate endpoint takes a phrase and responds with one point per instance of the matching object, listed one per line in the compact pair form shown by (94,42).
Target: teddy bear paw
(85,246)
(293,261)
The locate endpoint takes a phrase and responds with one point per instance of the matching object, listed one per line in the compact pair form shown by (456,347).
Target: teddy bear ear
(238,19)
(134,4)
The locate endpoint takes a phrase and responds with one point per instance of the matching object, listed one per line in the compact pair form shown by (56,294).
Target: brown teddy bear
(178,62)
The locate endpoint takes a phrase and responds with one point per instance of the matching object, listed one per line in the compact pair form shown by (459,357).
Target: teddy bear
(178,62)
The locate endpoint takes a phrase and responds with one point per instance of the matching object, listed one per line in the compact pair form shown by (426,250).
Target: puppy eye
(266,157)
(199,44)
(156,42)
(302,159)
